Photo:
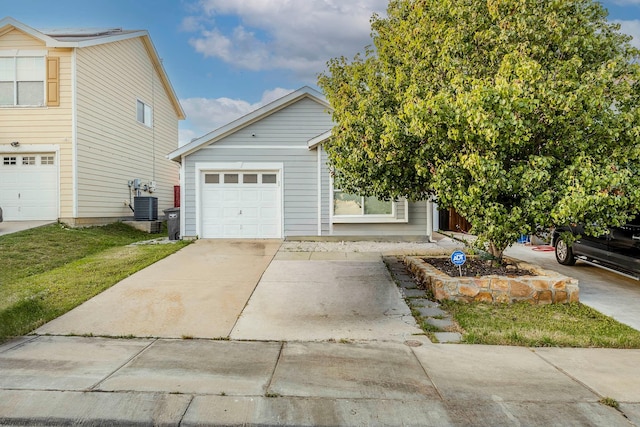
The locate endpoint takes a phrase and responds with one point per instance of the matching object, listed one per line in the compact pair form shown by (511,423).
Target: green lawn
(554,325)
(49,270)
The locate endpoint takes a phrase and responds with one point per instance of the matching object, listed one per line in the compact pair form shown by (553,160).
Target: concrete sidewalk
(90,381)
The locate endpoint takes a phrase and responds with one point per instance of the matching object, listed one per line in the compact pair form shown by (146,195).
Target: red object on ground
(544,248)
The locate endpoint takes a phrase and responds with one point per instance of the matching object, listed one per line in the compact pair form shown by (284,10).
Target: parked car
(619,249)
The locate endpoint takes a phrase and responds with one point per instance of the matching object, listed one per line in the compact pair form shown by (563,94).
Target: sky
(225,58)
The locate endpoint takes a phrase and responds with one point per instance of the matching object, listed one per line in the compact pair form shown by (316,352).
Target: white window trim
(146,107)
(368,219)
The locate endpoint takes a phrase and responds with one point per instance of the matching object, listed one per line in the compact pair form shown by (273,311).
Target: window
(353,208)
(46,160)
(250,178)
(350,204)
(22,81)
(211,178)
(9,161)
(230,178)
(144,113)
(269,178)
(29,160)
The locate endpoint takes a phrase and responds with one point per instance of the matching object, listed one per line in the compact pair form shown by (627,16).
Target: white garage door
(240,204)
(28,186)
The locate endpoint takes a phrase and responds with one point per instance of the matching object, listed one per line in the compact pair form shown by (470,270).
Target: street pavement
(323,339)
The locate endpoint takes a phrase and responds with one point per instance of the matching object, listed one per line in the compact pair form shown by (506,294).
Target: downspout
(183,206)
(74,134)
(319,151)
(430,219)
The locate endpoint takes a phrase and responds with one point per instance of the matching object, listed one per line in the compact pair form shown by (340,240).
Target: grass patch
(553,325)
(49,270)
(609,401)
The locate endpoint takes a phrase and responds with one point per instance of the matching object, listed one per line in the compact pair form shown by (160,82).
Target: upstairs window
(22,81)
(144,113)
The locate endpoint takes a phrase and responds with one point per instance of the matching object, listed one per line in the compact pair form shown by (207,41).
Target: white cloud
(207,114)
(632,28)
(300,36)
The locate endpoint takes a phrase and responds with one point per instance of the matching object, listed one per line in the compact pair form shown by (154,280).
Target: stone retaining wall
(545,287)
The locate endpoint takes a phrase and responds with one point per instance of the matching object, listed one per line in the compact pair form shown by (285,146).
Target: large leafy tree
(519,114)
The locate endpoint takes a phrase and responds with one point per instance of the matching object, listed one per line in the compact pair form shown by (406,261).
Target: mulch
(475,267)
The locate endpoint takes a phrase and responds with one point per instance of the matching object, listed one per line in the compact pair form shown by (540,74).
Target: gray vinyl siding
(282,137)
(279,138)
(326,193)
(299,184)
(291,126)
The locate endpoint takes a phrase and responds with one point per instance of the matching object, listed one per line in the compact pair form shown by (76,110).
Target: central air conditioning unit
(145,208)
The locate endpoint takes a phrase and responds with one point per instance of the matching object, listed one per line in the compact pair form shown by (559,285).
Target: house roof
(252,117)
(85,37)
(317,140)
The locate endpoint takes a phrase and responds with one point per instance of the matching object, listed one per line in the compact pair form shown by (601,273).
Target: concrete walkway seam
(253,291)
(125,363)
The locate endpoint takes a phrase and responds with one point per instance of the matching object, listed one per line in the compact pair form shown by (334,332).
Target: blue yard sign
(458,258)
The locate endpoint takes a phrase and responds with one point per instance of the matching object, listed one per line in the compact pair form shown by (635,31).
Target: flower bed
(542,287)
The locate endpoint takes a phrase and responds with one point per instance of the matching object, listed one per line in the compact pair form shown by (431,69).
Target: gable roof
(79,38)
(246,120)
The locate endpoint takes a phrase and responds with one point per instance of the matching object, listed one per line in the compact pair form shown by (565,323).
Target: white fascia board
(317,140)
(8,21)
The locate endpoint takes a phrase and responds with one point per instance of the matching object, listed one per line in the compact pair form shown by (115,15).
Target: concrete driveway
(328,296)
(612,294)
(236,289)
(198,292)
(8,227)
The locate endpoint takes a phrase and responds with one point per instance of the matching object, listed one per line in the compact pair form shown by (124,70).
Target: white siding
(113,147)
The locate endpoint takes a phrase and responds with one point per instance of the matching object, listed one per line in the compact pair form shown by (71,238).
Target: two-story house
(86,120)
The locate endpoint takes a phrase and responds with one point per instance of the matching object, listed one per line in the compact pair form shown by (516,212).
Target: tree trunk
(496,252)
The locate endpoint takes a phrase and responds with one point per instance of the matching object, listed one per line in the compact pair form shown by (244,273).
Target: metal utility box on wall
(145,208)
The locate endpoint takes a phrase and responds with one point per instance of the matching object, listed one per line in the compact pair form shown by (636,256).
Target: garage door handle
(240,212)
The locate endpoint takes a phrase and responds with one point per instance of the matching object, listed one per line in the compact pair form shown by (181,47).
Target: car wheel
(564,254)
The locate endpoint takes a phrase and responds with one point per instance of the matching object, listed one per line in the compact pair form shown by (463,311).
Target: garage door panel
(268,230)
(28,188)
(246,209)
(251,195)
(250,213)
(231,195)
(269,213)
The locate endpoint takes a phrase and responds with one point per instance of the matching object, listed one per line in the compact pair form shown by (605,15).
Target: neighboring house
(265,175)
(84,115)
